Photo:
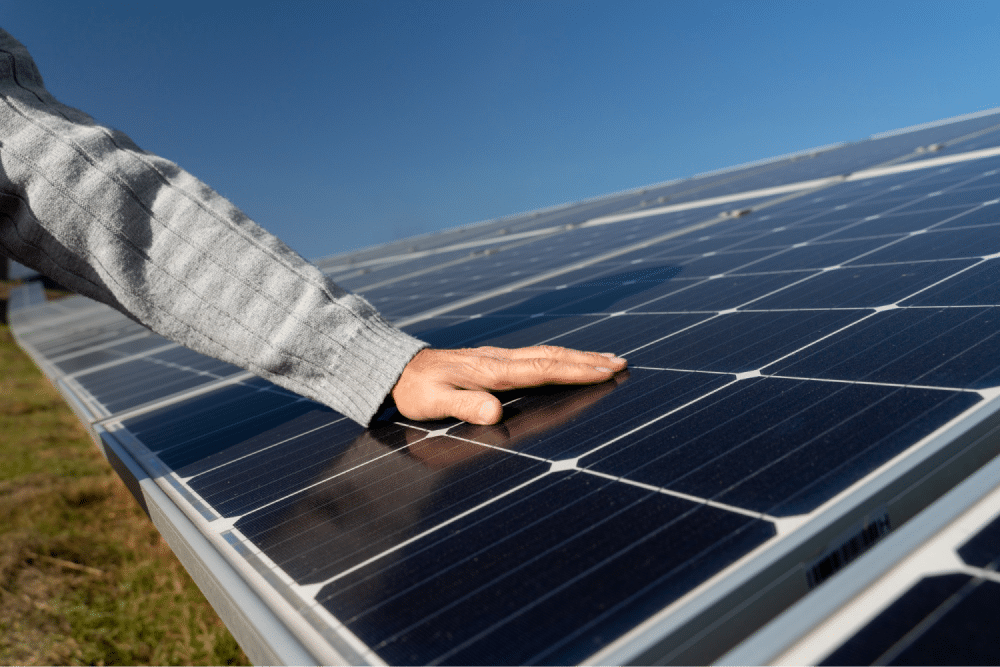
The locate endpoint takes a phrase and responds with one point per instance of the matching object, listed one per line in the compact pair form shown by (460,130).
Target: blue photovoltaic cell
(865,286)
(945,347)
(145,379)
(983,548)
(603,335)
(111,353)
(80,339)
(741,341)
(779,446)
(937,244)
(944,620)
(723,293)
(374,492)
(886,630)
(602,556)
(208,431)
(563,423)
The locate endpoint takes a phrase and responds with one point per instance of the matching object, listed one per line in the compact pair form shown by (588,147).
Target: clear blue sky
(343,124)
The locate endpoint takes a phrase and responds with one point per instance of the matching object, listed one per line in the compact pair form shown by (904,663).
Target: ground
(85,578)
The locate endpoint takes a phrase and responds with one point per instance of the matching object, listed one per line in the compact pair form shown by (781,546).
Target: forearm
(86,206)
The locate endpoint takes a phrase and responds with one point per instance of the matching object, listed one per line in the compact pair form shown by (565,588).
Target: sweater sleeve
(83,204)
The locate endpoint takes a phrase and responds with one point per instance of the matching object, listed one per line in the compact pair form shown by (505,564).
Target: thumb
(475,407)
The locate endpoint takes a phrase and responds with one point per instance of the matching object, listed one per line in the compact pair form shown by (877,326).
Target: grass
(85,577)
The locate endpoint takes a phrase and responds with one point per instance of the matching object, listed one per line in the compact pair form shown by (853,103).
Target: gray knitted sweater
(84,205)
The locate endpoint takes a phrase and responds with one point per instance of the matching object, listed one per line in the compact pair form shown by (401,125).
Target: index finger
(506,374)
(564,354)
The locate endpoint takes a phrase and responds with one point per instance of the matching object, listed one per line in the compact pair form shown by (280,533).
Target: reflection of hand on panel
(540,412)
(390,484)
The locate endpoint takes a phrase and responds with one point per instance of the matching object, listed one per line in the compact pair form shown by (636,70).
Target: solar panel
(813,361)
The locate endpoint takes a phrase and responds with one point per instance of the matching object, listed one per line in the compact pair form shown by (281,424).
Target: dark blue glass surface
(226,439)
(738,342)
(903,222)
(779,446)
(372,494)
(214,412)
(603,556)
(960,196)
(863,286)
(943,244)
(617,334)
(128,384)
(703,266)
(565,422)
(818,255)
(942,347)
(979,286)
(861,209)
(606,293)
(881,638)
(77,340)
(784,238)
(723,293)
(111,353)
(984,216)
(964,634)
(983,548)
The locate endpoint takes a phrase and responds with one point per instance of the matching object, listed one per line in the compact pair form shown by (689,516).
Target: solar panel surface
(788,365)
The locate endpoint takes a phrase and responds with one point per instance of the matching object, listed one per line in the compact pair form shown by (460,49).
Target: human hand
(456,383)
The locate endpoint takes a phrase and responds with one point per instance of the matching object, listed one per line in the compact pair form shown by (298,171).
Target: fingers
(428,400)
(475,407)
(451,383)
(605,359)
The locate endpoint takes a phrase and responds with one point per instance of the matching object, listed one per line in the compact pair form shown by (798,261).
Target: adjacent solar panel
(814,359)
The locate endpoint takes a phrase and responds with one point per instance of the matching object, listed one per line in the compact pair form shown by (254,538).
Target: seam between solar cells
(310,591)
(906,640)
(262,449)
(455,262)
(559,465)
(684,496)
(167,345)
(155,404)
(980,392)
(102,346)
(562,586)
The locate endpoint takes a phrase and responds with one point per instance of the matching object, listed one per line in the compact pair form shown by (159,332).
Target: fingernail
(604,370)
(609,355)
(486,413)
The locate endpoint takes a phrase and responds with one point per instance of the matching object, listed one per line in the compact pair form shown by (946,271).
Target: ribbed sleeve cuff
(369,368)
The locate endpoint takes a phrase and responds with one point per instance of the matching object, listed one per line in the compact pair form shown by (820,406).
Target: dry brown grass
(85,578)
